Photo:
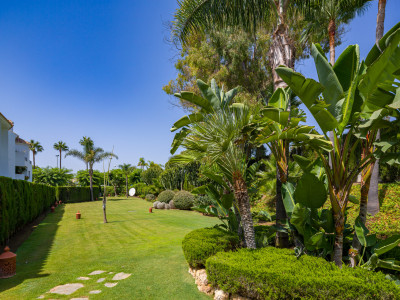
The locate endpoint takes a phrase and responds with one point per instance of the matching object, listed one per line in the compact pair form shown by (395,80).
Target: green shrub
(200,244)
(183,200)
(166,196)
(271,273)
(202,200)
(20,203)
(150,197)
(75,194)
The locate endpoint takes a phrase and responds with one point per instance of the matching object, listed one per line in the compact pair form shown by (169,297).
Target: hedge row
(74,194)
(20,203)
(200,244)
(271,273)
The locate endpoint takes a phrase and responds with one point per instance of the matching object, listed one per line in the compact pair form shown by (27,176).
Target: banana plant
(373,249)
(214,99)
(346,95)
(278,126)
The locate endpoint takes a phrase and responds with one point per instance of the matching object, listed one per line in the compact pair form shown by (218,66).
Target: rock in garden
(83,278)
(155,204)
(110,285)
(221,295)
(97,272)
(161,205)
(120,276)
(101,279)
(66,289)
(201,277)
(171,204)
(167,206)
(207,289)
(95,292)
(238,297)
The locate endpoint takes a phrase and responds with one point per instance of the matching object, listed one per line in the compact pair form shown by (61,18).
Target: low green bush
(166,196)
(200,244)
(75,194)
(143,189)
(183,200)
(150,197)
(202,200)
(271,273)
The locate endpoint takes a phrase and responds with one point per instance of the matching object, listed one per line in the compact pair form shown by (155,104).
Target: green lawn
(134,241)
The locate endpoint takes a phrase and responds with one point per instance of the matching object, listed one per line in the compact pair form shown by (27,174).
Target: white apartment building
(14,153)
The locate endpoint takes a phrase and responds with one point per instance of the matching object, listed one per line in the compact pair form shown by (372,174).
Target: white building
(14,153)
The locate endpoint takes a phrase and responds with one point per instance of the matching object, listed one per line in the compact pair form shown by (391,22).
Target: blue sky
(96,68)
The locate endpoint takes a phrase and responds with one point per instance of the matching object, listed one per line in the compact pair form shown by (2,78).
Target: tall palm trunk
(332,36)
(91,184)
(60,159)
(242,198)
(126,183)
(104,200)
(338,246)
(282,52)
(33,157)
(373,195)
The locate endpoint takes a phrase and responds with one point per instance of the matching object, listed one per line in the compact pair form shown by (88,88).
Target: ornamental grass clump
(200,244)
(166,196)
(183,200)
(271,273)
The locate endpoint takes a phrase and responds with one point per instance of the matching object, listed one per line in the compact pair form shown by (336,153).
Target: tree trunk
(282,238)
(115,191)
(281,52)
(104,201)
(126,183)
(91,184)
(373,195)
(332,36)
(380,21)
(338,247)
(365,185)
(242,198)
(60,159)
(33,157)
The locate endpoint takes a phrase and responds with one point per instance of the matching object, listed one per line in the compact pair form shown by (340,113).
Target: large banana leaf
(278,99)
(310,191)
(380,72)
(308,90)
(211,93)
(194,99)
(288,197)
(186,120)
(386,245)
(178,138)
(276,115)
(333,90)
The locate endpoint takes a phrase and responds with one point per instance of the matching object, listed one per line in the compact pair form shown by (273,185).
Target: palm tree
(60,146)
(126,169)
(90,155)
(87,143)
(142,163)
(326,16)
(35,147)
(217,140)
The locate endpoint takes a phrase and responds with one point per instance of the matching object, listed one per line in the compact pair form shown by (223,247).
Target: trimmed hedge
(183,200)
(271,273)
(75,194)
(20,203)
(166,196)
(200,244)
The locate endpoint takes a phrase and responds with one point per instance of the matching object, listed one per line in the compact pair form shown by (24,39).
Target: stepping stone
(81,298)
(66,289)
(83,278)
(95,292)
(110,285)
(120,276)
(101,280)
(40,297)
(97,272)
(111,273)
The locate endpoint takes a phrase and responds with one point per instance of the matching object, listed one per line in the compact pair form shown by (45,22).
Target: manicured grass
(134,241)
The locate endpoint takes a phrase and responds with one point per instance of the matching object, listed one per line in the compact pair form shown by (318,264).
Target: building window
(19,170)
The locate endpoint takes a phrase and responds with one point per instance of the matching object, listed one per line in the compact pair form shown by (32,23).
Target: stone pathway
(70,288)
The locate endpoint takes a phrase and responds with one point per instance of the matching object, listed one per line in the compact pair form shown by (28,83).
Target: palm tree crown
(35,147)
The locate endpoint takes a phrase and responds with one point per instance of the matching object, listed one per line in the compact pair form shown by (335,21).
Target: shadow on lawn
(33,253)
